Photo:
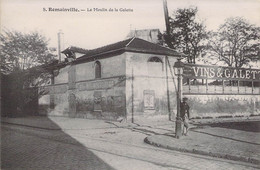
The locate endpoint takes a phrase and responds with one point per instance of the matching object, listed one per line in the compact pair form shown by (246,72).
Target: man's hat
(185,98)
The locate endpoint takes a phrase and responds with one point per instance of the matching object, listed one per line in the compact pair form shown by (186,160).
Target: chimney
(60,43)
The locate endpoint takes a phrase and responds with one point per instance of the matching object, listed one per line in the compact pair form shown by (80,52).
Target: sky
(92,28)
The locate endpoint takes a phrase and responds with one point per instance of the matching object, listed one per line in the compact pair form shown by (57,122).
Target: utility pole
(166,17)
(178,67)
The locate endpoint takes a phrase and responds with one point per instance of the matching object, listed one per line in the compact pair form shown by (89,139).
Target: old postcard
(130,84)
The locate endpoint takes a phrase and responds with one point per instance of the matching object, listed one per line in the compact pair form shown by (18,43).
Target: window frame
(97,70)
(159,60)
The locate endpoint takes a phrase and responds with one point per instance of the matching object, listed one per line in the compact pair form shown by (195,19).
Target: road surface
(109,148)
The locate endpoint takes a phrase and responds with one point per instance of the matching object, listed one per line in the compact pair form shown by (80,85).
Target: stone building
(134,79)
(127,79)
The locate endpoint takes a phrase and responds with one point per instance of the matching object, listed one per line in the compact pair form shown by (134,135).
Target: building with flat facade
(134,79)
(127,79)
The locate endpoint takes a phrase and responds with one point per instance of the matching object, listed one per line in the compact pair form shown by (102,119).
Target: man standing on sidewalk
(185,114)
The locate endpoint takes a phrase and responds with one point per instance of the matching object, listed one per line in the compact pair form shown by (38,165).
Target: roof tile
(132,45)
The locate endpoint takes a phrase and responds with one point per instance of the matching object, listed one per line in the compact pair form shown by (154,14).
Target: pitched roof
(131,45)
(140,45)
(75,49)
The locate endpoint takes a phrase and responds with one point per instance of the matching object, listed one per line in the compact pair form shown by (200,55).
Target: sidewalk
(226,138)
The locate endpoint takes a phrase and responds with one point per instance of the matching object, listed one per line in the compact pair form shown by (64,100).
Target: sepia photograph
(130,84)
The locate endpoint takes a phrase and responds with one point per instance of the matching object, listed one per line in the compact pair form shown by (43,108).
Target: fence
(208,86)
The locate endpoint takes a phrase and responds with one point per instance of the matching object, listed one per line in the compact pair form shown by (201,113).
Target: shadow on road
(45,147)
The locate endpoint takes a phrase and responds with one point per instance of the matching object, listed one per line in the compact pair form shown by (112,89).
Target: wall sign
(149,99)
(215,72)
(95,85)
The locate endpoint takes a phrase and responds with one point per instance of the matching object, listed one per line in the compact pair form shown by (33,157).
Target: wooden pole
(166,17)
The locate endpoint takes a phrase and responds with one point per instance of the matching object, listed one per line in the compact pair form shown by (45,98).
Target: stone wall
(103,99)
(223,105)
(77,93)
(55,102)
(110,67)
(62,77)
(146,87)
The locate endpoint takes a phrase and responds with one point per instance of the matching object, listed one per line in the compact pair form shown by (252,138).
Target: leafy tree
(25,60)
(186,35)
(236,43)
(20,51)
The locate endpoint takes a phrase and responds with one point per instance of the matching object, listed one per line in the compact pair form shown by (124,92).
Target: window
(155,59)
(155,66)
(97,69)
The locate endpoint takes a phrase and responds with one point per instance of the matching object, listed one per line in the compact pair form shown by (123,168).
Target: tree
(25,63)
(20,51)
(236,43)
(186,34)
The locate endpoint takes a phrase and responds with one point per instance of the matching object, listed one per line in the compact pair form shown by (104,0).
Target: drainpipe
(167,86)
(132,87)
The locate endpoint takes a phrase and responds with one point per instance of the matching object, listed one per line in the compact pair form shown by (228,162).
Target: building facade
(134,79)
(127,79)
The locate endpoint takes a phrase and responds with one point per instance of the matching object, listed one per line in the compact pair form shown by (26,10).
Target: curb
(195,151)
(216,121)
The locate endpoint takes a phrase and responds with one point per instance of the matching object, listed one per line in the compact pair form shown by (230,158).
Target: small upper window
(155,59)
(97,69)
